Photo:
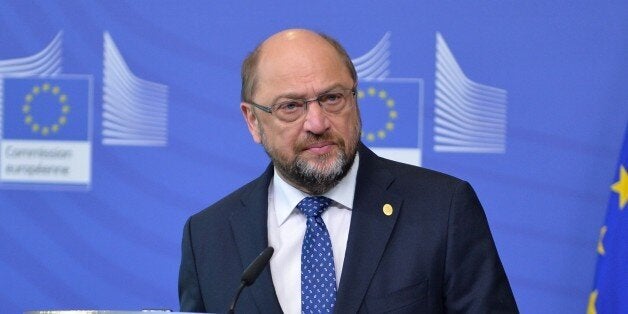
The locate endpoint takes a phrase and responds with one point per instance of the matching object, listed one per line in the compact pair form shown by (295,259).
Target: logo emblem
(391,108)
(46,116)
(468,117)
(135,111)
(46,123)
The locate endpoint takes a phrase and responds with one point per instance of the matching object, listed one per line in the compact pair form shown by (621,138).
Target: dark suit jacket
(434,254)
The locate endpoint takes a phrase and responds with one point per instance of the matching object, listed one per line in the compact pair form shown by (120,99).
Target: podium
(104,312)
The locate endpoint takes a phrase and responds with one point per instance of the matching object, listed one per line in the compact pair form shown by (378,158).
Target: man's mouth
(320,148)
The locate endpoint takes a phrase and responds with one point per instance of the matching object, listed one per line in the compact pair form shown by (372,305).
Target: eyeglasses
(291,110)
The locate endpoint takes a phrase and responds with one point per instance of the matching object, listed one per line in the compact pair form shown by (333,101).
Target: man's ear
(251,121)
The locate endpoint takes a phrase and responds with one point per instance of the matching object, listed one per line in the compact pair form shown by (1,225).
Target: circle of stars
(45,89)
(389,102)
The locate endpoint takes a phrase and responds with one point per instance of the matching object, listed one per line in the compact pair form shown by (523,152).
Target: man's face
(314,152)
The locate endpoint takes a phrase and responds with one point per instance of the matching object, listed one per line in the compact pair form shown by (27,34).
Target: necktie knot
(313,206)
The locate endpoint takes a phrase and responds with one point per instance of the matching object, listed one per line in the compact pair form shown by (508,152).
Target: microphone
(251,273)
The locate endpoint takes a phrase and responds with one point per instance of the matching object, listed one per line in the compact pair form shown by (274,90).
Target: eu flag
(390,112)
(610,293)
(46,108)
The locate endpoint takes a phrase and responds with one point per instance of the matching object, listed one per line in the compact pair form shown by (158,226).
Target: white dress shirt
(286,229)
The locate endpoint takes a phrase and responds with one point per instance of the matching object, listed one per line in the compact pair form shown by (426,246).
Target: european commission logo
(469,117)
(46,116)
(45,136)
(391,108)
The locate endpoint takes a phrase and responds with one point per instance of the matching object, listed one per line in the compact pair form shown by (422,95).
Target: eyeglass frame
(269,109)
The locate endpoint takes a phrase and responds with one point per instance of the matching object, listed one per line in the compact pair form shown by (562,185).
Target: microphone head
(251,273)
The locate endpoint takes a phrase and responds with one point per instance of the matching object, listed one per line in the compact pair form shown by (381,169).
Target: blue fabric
(318,274)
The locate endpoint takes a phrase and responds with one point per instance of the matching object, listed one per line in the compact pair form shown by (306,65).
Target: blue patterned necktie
(318,274)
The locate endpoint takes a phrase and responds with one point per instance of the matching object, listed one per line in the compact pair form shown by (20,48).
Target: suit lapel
(249,227)
(370,230)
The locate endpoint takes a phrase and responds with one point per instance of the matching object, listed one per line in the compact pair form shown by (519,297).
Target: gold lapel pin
(387,209)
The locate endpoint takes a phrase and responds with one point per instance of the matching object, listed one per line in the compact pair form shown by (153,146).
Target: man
(352,232)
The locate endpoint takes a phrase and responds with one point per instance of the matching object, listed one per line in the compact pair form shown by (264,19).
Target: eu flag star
(592,299)
(621,187)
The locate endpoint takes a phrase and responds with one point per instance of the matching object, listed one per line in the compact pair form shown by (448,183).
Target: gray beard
(314,180)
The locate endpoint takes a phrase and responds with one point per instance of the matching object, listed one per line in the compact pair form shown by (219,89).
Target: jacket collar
(369,232)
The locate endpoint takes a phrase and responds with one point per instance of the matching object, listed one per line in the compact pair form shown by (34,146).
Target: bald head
(292,45)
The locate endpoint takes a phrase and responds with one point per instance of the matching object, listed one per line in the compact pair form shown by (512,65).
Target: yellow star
(382,94)
(371,91)
(621,187)
(592,298)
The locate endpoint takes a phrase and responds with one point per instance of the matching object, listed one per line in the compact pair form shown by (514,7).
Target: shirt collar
(286,197)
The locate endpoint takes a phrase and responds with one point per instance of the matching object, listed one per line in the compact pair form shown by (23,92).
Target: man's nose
(316,120)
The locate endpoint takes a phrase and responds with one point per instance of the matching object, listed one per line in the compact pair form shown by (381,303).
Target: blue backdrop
(526,100)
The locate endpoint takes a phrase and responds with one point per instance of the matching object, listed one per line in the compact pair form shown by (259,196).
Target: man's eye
(290,106)
(330,98)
